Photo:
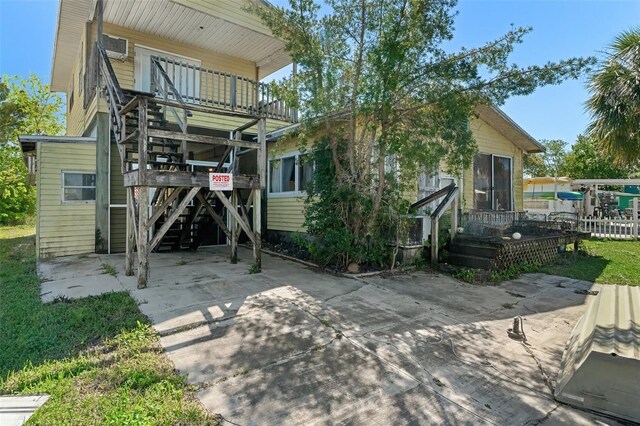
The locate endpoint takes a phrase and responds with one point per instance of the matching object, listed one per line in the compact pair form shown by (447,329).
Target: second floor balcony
(189,83)
(189,86)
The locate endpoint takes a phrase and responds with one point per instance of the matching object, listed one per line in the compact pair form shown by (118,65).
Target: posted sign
(220,181)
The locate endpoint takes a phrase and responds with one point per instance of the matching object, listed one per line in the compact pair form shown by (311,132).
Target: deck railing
(217,89)
(495,218)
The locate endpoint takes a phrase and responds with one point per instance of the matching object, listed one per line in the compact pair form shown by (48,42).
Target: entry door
(183,72)
(492,182)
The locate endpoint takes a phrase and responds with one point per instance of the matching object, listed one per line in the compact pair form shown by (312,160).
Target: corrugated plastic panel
(601,365)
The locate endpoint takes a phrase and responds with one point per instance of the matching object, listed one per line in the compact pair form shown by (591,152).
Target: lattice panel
(539,250)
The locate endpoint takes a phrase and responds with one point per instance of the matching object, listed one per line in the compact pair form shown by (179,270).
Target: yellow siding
(77,120)
(117,223)
(285,214)
(118,230)
(63,229)
(490,141)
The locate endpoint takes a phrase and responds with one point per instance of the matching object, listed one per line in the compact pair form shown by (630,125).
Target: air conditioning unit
(116,47)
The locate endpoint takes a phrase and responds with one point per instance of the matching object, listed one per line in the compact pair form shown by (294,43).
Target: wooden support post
(454,217)
(434,240)
(257,230)
(235,164)
(103,175)
(143,237)
(261,208)
(246,227)
(130,243)
(234,227)
(143,198)
(134,214)
(99,18)
(262,152)
(142,138)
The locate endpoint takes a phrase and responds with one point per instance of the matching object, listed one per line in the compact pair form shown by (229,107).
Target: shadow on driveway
(296,346)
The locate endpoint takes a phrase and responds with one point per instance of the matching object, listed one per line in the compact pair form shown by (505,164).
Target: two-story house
(162,93)
(159,94)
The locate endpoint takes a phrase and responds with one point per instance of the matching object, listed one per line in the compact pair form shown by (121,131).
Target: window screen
(78,187)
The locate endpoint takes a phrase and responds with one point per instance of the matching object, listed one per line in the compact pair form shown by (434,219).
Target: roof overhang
(509,128)
(617,182)
(28,143)
(222,26)
(278,133)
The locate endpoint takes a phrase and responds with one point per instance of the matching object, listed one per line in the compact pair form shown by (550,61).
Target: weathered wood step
(155,124)
(469,261)
(157,153)
(473,249)
(168,163)
(160,142)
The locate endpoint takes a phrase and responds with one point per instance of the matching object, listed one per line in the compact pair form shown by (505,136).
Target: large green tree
(554,156)
(376,81)
(533,165)
(614,101)
(587,161)
(27,107)
(548,163)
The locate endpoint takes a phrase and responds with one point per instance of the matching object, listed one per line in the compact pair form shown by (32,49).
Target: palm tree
(614,103)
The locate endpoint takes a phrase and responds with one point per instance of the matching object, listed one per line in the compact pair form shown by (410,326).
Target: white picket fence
(615,229)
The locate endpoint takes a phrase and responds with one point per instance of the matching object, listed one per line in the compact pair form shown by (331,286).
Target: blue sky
(561,29)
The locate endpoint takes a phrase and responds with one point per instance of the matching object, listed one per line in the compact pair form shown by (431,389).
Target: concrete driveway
(296,346)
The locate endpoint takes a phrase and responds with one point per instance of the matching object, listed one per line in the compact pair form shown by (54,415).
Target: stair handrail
(110,75)
(450,197)
(116,95)
(161,84)
(451,192)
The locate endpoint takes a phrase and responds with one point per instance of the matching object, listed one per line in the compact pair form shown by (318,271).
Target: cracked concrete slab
(297,346)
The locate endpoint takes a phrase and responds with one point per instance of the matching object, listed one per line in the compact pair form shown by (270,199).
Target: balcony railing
(193,84)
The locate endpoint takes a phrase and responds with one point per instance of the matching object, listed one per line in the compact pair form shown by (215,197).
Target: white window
(78,187)
(290,174)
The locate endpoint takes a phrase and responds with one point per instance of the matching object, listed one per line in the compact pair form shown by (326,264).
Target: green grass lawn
(602,262)
(98,357)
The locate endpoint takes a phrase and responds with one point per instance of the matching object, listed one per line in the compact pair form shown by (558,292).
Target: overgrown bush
(337,216)
(17,196)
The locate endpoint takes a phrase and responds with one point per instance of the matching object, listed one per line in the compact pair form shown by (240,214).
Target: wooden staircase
(162,153)
(188,232)
(169,204)
(165,154)
(472,253)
